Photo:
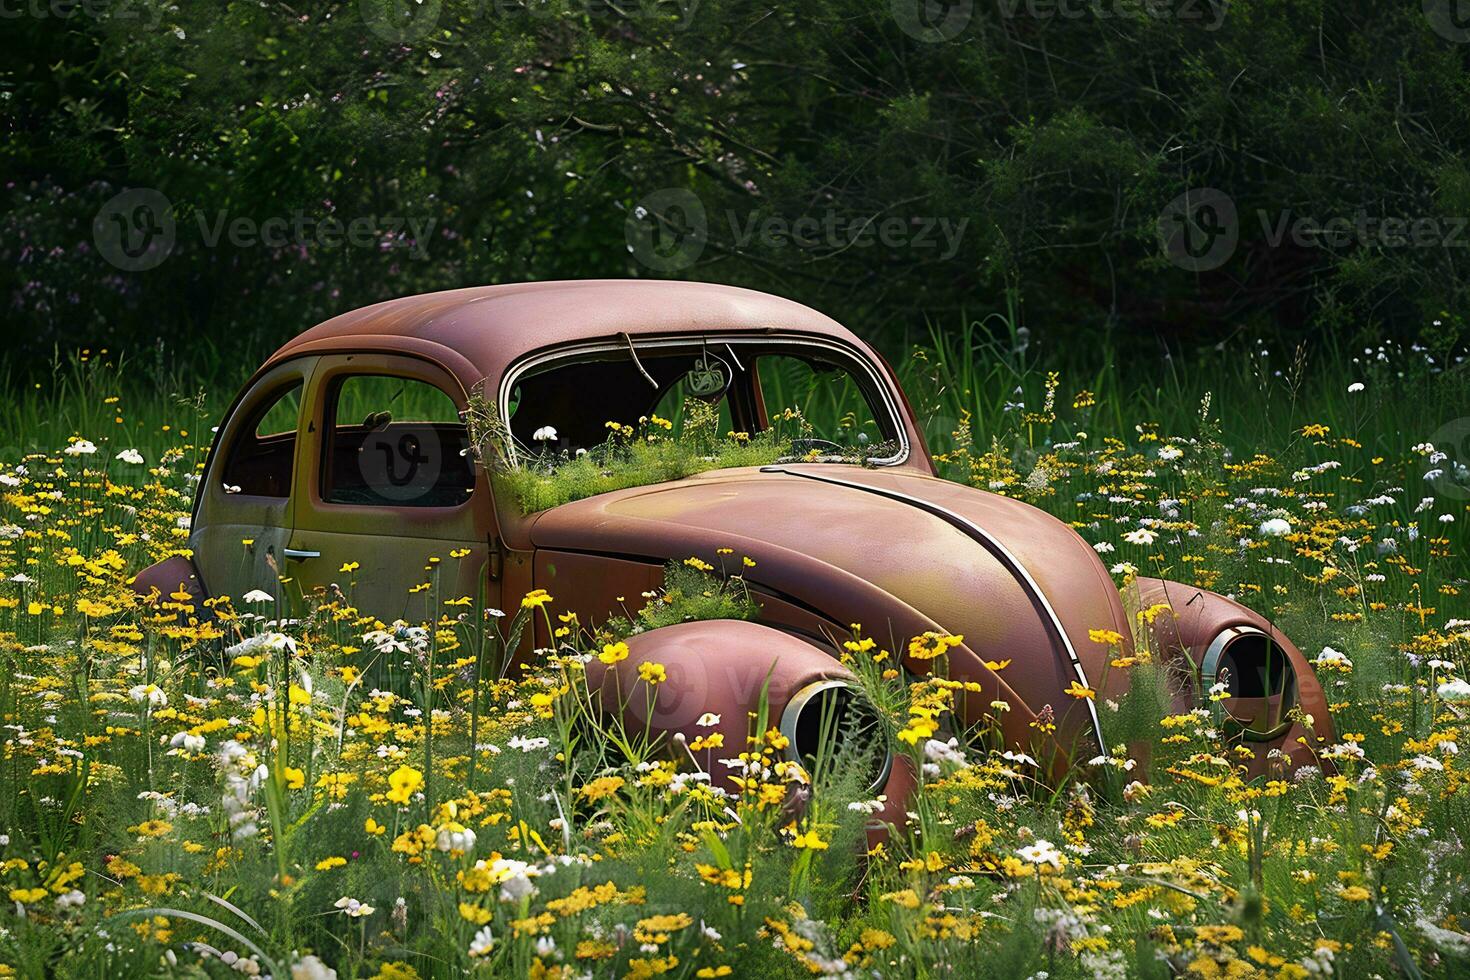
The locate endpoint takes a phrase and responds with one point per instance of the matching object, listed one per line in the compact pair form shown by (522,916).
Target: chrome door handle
(296,554)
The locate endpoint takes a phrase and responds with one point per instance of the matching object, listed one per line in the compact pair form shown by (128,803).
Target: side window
(825,394)
(394,442)
(264,452)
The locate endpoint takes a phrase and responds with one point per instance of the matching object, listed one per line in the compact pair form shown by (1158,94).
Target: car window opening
(394,442)
(261,461)
(577,397)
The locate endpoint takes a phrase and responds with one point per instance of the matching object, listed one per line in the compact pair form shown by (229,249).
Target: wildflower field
(310,792)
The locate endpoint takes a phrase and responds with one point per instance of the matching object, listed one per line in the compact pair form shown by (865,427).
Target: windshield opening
(752,387)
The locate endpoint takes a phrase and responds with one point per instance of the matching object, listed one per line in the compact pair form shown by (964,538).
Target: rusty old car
(350,443)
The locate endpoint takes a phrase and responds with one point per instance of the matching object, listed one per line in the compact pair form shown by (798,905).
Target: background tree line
(892,163)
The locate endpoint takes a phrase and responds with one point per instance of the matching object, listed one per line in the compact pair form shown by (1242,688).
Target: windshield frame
(882,399)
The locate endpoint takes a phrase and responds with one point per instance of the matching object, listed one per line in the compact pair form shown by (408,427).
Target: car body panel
(890,547)
(896,570)
(1199,615)
(239,540)
(477,334)
(391,545)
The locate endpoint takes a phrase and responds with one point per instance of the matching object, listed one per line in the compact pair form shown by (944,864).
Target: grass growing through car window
(655,451)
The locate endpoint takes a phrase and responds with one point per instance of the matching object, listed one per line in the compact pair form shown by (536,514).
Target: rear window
(263,455)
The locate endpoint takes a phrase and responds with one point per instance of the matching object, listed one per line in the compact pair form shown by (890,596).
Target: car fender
(1185,621)
(159,581)
(719,669)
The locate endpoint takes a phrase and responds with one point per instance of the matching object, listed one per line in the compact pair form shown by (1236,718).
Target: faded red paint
(892,548)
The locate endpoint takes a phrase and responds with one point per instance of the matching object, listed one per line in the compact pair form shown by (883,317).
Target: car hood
(899,553)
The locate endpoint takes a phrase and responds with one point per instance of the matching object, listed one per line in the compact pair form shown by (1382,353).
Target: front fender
(724,667)
(160,582)
(1227,642)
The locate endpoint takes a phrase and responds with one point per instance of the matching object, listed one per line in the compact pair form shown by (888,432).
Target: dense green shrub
(1026,159)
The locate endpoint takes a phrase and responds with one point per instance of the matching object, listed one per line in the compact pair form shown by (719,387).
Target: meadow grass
(339,796)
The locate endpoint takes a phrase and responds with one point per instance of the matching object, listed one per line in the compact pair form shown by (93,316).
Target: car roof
(476,333)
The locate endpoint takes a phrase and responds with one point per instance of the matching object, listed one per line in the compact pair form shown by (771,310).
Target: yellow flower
(613,652)
(906,898)
(809,841)
(328,863)
(714,740)
(373,827)
(544,702)
(1110,638)
(653,674)
(295,778)
(931,645)
(1080,690)
(153,828)
(335,783)
(94,609)
(27,895)
(602,787)
(477,914)
(1355,893)
(403,783)
(535,599)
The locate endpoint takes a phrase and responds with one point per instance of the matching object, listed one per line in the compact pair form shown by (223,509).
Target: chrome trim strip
(1209,670)
(1000,551)
(791,715)
(1210,663)
(878,381)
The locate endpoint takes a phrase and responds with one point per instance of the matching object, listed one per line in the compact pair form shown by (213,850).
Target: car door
(242,523)
(391,509)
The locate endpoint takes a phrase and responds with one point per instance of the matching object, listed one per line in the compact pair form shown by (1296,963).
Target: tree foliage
(519,136)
